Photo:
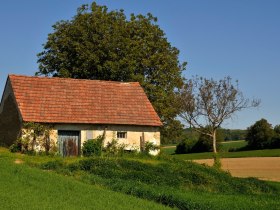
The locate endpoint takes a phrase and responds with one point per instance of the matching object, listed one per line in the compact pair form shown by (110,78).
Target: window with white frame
(121,135)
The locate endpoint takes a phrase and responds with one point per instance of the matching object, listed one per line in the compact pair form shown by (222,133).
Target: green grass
(23,187)
(252,153)
(224,152)
(170,149)
(172,182)
(233,145)
(77,183)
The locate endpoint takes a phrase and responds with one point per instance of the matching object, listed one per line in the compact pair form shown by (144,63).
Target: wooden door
(69,143)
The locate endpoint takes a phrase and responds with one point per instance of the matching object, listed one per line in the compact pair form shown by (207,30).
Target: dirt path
(266,168)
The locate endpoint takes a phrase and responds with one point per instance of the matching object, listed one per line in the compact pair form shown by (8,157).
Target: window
(121,135)
(89,134)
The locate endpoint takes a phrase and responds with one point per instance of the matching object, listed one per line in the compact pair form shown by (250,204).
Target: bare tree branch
(206,103)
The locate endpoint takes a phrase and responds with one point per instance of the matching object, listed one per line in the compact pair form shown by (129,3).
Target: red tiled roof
(61,100)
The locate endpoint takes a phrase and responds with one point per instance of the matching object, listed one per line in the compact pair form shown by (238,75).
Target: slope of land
(180,184)
(23,187)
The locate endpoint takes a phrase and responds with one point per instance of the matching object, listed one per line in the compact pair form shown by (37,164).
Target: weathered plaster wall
(10,122)
(132,141)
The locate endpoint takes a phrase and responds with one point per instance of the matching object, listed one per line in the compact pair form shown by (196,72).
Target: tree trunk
(33,142)
(214,142)
(217,161)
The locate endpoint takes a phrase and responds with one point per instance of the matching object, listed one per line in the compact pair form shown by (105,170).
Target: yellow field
(265,168)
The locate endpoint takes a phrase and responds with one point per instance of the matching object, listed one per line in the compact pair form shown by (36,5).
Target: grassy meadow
(224,153)
(24,187)
(138,182)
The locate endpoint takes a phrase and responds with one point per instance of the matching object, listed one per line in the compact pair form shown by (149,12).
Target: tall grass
(22,187)
(175,183)
(168,181)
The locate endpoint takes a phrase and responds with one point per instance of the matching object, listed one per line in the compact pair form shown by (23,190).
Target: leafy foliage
(106,45)
(150,147)
(114,148)
(16,147)
(259,135)
(34,135)
(233,134)
(277,129)
(185,146)
(93,147)
(173,132)
(202,143)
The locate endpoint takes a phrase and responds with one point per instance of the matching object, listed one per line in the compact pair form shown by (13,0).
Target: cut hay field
(265,168)
(262,164)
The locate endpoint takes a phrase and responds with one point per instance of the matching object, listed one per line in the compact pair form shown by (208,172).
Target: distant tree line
(222,135)
(260,135)
(233,134)
(197,142)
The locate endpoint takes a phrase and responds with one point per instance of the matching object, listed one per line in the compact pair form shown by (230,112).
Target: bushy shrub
(114,148)
(52,165)
(185,146)
(203,144)
(92,147)
(259,135)
(15,148)
(275,142)
(149,147)
(20,145)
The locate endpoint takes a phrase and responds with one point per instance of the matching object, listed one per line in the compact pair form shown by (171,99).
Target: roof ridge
(63,78)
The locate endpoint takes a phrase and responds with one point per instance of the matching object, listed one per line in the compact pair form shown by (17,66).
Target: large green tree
(106,45)
(259,135)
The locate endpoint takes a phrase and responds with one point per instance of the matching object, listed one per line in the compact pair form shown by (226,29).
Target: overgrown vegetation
(35,137)
(175,183)
(23,187)
(168,181)
(93,147)
(261,135)
(199,142)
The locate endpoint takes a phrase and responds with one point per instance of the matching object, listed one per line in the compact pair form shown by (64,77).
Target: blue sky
(238,38)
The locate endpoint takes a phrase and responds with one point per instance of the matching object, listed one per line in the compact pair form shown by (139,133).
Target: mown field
(265,168)
(33,182)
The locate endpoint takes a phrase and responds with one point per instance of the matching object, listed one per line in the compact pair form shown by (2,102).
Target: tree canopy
(259,135)
(106,45)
